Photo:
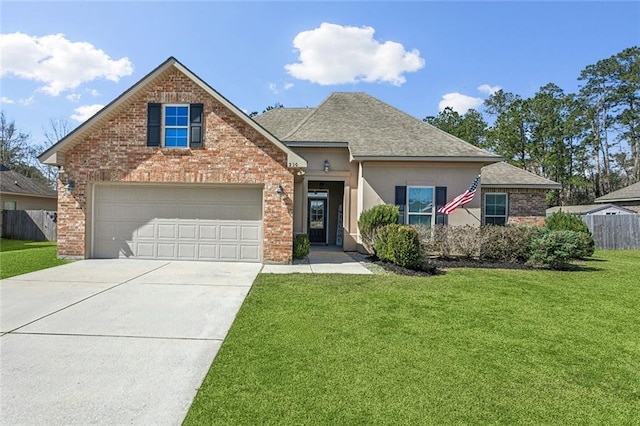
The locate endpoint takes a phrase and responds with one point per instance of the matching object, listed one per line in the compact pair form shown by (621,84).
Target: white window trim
(164,126)
(506,207)
(433,205)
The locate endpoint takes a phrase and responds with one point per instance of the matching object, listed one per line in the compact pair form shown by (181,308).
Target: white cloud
(459,102)
(336,54)
(94,92)
(59,63)
(85,112)
(276,91)
(74,97)
(489,90)
(5,100)
(27,101)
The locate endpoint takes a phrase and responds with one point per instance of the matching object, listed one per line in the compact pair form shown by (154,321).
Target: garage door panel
(208,232)
(187,232)
(183,223)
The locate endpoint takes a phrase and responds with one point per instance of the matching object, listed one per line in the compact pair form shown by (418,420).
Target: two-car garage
(177,222)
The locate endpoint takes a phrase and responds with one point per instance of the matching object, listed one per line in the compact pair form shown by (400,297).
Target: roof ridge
(308,117)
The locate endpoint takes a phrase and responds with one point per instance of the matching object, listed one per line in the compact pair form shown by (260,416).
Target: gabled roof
(55,154)
(12,182)
(504,175)
(587,209)
(628,193)
(373,130)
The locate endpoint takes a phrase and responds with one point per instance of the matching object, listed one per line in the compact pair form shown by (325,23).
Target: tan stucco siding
(379,179)
(340,170)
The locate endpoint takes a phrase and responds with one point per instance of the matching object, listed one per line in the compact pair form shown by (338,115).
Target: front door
(317,223)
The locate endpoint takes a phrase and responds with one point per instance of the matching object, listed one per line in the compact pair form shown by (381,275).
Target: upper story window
(495,208)
(420,205)
(175,125)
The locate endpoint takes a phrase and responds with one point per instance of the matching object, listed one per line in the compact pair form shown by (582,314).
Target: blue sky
(66,59)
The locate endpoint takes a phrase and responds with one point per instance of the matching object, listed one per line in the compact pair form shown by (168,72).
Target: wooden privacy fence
(32,225)
(614,231)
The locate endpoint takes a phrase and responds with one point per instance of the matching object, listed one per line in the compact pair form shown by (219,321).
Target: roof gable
(12,182)
(375,130)
(55,154)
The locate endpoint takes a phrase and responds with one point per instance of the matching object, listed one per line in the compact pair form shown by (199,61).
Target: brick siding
(233,152)
(527,206)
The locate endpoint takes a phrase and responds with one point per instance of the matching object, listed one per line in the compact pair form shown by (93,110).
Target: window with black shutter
(175,125)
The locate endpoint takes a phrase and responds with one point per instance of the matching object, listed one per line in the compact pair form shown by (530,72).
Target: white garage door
(187,222)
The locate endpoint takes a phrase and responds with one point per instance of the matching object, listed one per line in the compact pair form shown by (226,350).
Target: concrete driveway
(113,341)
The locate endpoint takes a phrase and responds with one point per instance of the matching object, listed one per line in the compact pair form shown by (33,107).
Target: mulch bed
(438,266)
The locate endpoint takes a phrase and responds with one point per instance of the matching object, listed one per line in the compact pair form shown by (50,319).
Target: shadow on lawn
(16,245)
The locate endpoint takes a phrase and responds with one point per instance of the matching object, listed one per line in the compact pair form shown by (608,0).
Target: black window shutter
(401,201)
(441,200)
(154,124)
(196,125)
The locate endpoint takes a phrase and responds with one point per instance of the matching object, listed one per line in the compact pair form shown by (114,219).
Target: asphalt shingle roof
(371,128)
(280,121)
(628,193)
(504,174)
(15,183)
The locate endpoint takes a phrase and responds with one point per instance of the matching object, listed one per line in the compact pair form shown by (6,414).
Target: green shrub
(398,244)
(301,246)
(382,243)
(560,221)
(554,249)
(373,219)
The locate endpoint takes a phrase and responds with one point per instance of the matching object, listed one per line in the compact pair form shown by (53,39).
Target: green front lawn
(18,257)
(473,346)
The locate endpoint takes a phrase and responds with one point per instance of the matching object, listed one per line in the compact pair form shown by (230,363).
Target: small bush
(301,246)
(554,249)
(434,240)
(465,241)
(506,243)
(560,221)
(373,219)
(398,244)
(382,243)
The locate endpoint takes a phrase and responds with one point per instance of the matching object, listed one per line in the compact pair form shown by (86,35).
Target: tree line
(588,142)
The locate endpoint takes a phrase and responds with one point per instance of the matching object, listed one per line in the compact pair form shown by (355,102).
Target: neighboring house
(514,196)
(628,197)
(591,209)
(18,192)
(173,170)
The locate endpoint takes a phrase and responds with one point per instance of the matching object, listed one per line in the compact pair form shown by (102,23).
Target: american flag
(461,199)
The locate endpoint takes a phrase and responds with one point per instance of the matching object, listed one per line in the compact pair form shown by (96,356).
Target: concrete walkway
(321,260)
(113,341)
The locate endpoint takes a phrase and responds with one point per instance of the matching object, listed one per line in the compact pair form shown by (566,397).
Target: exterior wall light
(279,191)
(327,166)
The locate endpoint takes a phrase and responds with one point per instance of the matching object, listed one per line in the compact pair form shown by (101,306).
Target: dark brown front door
(317,223)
